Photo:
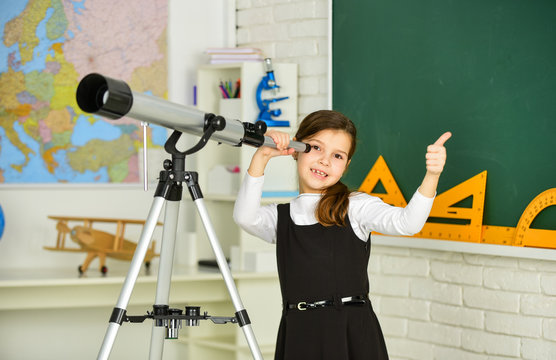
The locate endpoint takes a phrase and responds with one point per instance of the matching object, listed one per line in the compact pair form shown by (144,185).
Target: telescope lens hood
(104,96)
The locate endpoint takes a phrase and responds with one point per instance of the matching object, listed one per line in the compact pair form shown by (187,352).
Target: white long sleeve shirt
(366,213)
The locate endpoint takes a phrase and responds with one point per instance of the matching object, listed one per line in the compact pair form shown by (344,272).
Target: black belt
(350,300)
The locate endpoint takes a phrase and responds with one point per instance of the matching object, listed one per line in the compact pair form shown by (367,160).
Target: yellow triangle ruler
(381,172)
(443,208)
(498,235)
(446,209)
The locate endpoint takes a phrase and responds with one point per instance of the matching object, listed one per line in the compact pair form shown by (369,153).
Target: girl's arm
(257,220)
(436,159)
(248,213)
(372,214)
(265,153)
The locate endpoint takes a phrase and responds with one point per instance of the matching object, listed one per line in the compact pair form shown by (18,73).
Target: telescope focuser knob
(260,127)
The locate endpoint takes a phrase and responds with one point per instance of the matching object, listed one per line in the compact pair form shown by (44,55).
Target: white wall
(291,32)
(28,229)
(449,305)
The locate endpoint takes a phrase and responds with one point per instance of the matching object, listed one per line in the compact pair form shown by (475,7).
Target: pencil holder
(231,108)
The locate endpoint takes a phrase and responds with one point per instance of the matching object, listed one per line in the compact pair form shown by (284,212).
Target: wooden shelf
(62,288)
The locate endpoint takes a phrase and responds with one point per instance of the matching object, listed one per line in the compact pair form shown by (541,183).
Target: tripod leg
(241,313)
(164,274)
(142,246)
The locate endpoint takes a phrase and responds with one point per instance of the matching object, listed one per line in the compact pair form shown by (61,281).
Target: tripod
(166,320)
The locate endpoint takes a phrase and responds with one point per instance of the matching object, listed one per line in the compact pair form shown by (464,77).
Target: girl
(323,240)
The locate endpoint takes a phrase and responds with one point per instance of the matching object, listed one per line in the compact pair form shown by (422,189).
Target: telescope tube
(111,98)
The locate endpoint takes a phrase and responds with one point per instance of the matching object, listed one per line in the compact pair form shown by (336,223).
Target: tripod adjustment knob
(260,127)
(219,123)
(167,164)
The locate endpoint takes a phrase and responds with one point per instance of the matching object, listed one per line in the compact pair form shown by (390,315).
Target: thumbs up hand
(436,155)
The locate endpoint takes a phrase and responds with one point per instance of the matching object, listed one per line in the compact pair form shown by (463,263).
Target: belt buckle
(300,304)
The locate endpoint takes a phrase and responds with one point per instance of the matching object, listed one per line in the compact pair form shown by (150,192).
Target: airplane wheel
(80,269)
(148,267)
(104,270)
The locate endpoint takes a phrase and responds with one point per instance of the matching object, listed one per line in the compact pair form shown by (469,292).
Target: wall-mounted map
(46,48)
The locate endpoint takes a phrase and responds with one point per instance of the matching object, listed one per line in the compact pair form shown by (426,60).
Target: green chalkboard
(405,71)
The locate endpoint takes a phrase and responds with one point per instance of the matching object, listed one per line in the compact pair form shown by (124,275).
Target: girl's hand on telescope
(282,140)
(436,155)
(265,153)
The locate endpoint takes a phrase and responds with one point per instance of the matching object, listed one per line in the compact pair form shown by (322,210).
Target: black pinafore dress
(324,263)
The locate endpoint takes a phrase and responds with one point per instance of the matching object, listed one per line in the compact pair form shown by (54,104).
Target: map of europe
(47,47)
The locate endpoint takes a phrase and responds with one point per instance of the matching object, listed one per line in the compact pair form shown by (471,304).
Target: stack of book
(233,55)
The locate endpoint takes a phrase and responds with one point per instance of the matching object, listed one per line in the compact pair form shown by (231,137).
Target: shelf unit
(261,297)
(280,175)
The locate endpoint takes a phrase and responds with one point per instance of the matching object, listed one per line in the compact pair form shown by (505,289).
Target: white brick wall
(431,304)
(291,31)
(473,307)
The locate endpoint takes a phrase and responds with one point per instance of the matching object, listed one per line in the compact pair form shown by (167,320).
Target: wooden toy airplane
(98,243)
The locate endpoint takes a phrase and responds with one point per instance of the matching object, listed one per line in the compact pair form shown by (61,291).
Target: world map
(47,47)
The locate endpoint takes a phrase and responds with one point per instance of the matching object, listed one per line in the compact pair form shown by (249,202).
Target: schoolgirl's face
(327,161)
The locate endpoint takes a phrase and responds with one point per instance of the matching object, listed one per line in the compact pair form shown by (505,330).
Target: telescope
(113,99)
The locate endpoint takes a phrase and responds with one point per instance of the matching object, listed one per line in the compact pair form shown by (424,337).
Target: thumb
(442,139)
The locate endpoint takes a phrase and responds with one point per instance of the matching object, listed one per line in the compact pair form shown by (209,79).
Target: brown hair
(333,206)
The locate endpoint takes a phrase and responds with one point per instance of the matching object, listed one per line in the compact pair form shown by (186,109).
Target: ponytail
(333,206)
